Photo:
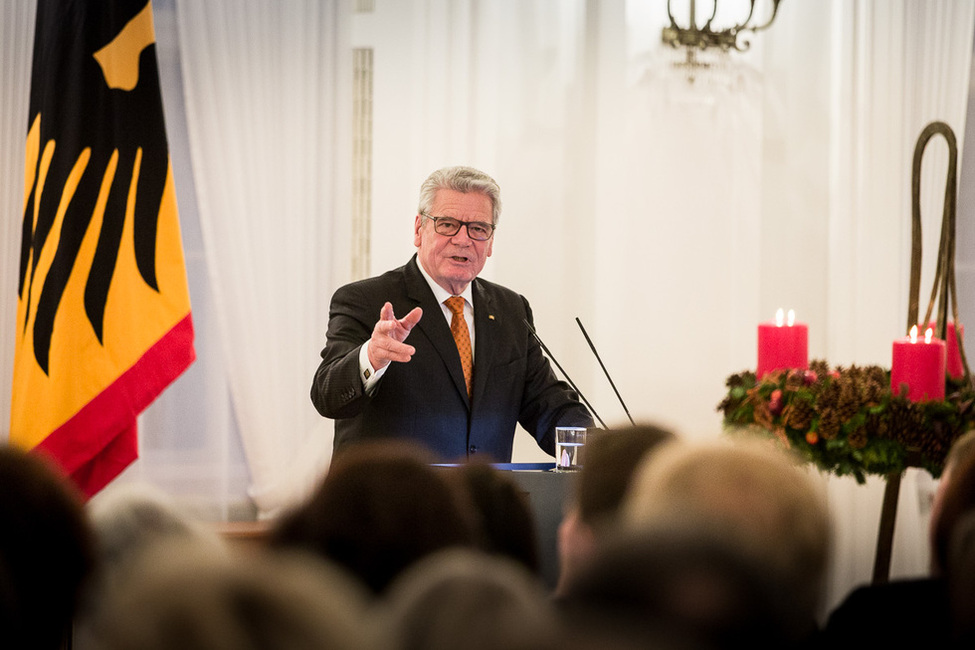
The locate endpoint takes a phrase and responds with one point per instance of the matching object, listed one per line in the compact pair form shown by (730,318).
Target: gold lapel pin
(490,316)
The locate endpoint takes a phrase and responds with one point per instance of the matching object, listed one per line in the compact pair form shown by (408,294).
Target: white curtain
(261,81)
(16,47)
(670,216)
(897,67)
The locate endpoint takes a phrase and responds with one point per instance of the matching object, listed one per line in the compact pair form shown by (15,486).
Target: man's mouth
(459,259)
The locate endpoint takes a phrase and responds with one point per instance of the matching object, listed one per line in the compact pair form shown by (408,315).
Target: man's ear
(416,229)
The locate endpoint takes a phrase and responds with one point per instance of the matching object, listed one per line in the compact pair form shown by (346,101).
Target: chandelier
(706,37)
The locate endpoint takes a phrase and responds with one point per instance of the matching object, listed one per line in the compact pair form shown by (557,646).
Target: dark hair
(46,550)
(612,457)
(507,521)
(685,584)
(958,500)
(380,508)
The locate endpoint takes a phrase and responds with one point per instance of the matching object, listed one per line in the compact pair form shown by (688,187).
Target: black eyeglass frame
(447,221)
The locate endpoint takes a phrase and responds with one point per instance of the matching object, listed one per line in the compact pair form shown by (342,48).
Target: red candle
(919,363)
(953,355)
(782,345)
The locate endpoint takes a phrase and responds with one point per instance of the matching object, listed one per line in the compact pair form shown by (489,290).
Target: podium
(548,493)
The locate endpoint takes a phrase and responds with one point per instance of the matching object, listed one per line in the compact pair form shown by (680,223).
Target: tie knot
(455,304)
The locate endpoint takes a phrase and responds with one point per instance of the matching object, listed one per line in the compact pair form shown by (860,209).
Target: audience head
(676,584)
(380,508)
(961,580)
(128,521)
(752,495)
(463,598)
(129,518)
(955,501)
(45,550)
(507,522)
(612,456)
(183,595)
(961,449)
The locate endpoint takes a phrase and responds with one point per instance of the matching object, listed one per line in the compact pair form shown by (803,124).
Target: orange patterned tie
(458,327)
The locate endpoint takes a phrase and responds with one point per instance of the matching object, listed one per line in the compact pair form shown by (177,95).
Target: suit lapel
(434,326)
(486,328)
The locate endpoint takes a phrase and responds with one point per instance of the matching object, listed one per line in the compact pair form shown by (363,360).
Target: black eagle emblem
(97,121)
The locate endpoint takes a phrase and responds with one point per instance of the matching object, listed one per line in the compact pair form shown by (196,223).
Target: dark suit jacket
(425,399)
(904,613)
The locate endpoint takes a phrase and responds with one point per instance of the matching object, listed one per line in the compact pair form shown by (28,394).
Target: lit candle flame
(779,317)
(913,334)
(792,317)
(928,333)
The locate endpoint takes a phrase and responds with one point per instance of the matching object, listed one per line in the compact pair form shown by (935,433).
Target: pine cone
(829,424)
(877,375)
(798,414)
(906,421)
(848,402)
(760,409)
(934,440)
(762,415)
(820,367)
(873,391)
(876,426)
(828,397)
(746,378)
(795,380)
(857,438)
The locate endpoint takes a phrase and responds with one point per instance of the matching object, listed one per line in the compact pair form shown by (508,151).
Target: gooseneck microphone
(564,373)
(605,372)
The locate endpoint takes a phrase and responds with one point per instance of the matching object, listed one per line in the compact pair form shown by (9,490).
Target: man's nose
(462,236)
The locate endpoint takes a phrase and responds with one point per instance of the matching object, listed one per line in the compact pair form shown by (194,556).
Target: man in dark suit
(376,384)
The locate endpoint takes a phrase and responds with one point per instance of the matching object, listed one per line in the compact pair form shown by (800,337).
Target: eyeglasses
(448,227)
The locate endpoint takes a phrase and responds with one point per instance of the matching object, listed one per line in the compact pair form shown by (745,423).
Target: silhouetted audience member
(913,610)
(507,522)
(753,496)
(129,520)
(961,582)
(612,456)
(463,598)
(917,610)
(676,585)
(45,551)
(380,508)
(954,498)
(962,448)
(184,595)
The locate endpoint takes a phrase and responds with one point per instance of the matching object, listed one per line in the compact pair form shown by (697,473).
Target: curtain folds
(669,215)
(16,47)
(262,82)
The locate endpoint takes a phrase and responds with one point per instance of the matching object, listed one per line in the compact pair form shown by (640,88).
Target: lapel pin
(490,316)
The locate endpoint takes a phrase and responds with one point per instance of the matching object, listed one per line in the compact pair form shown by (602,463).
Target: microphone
(605,372)
(564,373)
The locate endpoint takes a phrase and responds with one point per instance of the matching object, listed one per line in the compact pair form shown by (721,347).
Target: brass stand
(942,292)
(885,536)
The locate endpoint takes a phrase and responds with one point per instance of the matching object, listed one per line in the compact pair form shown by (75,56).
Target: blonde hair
(747,491)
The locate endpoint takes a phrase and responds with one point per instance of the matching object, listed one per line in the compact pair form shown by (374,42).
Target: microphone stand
(605,372)
(564,373)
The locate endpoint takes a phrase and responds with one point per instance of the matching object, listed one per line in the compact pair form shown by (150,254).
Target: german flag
(103,306)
